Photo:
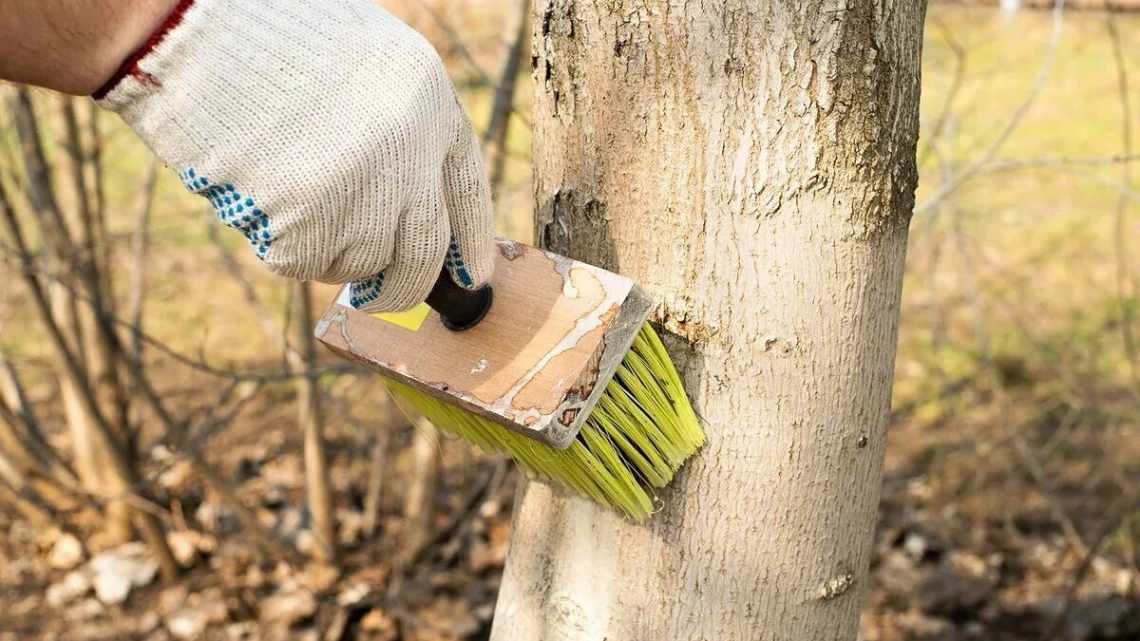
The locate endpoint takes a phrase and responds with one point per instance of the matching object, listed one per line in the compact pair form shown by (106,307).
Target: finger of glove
(467,193)
(421,241)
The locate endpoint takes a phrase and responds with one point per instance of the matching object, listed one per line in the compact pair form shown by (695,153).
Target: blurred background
(293,501)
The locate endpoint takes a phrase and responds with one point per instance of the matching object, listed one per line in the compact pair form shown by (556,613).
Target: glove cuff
(131,67)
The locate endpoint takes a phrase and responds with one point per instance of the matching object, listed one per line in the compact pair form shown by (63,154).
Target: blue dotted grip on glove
(365,291)
(233,209)
(241,213)
(454,264)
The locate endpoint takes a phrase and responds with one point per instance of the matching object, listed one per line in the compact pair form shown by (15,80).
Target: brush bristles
(638,436)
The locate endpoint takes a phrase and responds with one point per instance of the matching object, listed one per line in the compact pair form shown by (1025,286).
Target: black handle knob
(458,308)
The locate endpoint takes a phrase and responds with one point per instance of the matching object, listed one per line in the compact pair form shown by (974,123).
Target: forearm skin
(73,46)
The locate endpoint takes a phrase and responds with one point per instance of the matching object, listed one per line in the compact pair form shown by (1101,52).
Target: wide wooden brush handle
(458,308)
(537,363)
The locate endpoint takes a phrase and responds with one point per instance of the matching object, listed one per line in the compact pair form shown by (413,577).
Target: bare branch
(39,187)
(1125,285)
(375,489)
(17,411)
(1123,508)
(158,345)
(1049,491)
(495,137)
(139,246)
(309,415)
(95,158)
(73,145)
(26,502)
(1057,162)
(121,473)
(269,325)
(40,192)
(1015,120)
(456,41)
(951,94)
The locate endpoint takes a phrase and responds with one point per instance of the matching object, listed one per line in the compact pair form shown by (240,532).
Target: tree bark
(752,165)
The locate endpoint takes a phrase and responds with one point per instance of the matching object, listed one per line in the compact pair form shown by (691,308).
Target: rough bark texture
(751,164)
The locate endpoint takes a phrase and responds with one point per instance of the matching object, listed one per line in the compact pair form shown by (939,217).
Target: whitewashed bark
(752,165)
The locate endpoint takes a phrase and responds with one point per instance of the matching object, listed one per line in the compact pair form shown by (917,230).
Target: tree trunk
(420,496)
(102,369)
(375,492)
(302,360)
(73,379)
(752,165)
(76,321)
(495,140)
(26,439)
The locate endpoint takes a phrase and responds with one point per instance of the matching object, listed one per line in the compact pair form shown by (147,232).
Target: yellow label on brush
(410,319)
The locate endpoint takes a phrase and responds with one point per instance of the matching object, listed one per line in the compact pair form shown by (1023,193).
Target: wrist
(136,31)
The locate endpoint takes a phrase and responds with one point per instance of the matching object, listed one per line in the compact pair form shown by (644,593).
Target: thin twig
(951,94)
(270,328)
(139,246)
(39,185)
(121,471)
(164,349)
(495,138)
(1045,485)
(1125,286)
(99,204)
(484,78)
(74,148)
(374,493)
(1123,510)
(469,509)
(15,409)
(1015,120)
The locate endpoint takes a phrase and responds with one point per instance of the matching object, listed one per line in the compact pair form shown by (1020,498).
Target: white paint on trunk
(752,166)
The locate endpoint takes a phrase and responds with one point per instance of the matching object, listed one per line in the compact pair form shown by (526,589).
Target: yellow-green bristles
(635,440)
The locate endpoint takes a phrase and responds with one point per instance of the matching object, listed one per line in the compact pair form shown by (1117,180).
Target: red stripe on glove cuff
(130,66)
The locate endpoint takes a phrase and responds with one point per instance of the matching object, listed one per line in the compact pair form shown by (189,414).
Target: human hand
(327,132)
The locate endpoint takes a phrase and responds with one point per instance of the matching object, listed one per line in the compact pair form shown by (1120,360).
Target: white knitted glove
(327,132)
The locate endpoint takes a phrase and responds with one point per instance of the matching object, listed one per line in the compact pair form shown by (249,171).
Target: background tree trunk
(75,307)
(302,359)
(420,494)
(496,137)
(102,369)
(753,166)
